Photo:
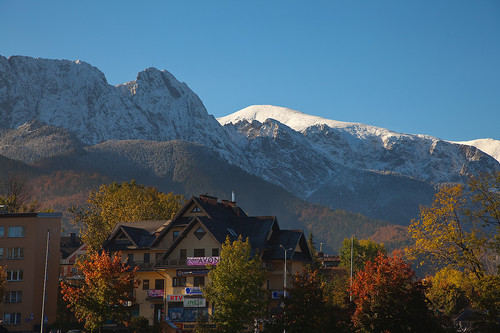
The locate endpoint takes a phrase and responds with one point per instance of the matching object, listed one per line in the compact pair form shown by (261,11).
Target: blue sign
(277,294)
(193,291)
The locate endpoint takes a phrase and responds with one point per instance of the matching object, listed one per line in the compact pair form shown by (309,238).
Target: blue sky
(420,67)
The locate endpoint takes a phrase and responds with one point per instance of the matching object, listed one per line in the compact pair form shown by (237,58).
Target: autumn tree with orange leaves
(104,293)
(389,298)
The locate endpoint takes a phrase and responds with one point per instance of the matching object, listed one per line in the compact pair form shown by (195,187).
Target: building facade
(183,247)
(25,239)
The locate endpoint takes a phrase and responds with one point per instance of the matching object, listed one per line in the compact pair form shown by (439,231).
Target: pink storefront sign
(202,261)
(155,293)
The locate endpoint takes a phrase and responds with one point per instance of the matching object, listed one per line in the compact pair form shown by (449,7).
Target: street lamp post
(42,321)
(284,280)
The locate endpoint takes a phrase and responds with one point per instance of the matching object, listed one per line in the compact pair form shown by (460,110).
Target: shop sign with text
(194,302)
(202,261)
(193,291)
(175,298)
(155,293)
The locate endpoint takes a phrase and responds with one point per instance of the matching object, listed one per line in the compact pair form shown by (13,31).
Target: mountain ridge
(58,108)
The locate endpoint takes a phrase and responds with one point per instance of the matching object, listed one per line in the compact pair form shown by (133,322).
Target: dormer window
(196,210)
(199,233)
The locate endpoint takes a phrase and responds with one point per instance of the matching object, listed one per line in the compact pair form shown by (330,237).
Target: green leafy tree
(308,308)
(104,292)
(487,299)
(448,291)
(336,288)
(485,191)
(389,298)
(363,250)
(124,202)
(447,234)
(460,232)
(139,324)
(236,287)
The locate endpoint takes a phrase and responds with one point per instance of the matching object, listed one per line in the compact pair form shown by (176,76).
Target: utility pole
(284,280)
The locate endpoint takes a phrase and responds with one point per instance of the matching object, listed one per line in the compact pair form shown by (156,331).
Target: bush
(139,324)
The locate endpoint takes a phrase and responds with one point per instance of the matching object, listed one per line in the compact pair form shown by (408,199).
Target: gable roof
(141,234)
(225,219)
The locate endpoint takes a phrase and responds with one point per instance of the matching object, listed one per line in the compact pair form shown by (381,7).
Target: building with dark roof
(182,248)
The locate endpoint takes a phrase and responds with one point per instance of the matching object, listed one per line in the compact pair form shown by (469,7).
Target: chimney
(233,197)
(72,239)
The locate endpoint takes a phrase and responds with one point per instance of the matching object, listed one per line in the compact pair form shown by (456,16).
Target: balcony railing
(140,264)
(174,262)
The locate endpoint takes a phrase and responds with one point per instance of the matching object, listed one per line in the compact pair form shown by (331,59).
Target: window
(199,233)
(183,254)
(232,232)
(159,284)
(176,234)
(130,258)
(74,270)
(199,252)
(215,252)
(158,255)
(13,297)
(15,253)
(179,281)
(196,210)
(2,232)
(12,318)
(199,281)
(145,284)
(147,258)
(1,252)
(15,275)
(16,232)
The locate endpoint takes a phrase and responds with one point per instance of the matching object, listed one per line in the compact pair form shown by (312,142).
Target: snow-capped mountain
(489,146)
(50,107)
(363,147)
(77,97)
(349,165)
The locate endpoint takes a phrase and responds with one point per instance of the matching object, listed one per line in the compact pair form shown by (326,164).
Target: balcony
(180,262)
(143,266)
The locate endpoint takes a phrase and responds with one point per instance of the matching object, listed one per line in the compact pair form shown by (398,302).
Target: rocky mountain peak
(76,96)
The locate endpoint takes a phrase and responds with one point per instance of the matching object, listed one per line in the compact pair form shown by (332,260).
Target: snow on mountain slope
(489,146)
(77,97)
(355,146)
(50,107)
(301,122)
